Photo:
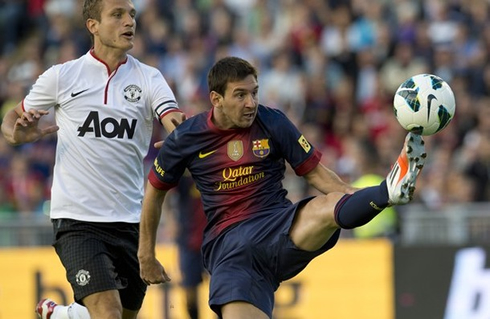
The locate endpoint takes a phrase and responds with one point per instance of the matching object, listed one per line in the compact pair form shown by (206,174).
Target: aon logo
(108,127)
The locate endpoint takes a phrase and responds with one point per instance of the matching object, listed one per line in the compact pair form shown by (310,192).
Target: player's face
(238,107)
(117,25)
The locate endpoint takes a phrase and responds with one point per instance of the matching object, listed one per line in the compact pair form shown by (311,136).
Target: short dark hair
(92,9)
(229,69)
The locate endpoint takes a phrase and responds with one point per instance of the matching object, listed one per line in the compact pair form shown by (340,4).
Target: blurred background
(333,66)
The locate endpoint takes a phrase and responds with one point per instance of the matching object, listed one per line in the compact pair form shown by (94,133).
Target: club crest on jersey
(132,93)
(304,143)
(261,148)
(235,150)
(82,277)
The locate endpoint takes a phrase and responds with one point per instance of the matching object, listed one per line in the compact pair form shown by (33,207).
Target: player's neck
(219,120)
(111,57)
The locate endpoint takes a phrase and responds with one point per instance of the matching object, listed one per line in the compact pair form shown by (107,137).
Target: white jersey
(106,123)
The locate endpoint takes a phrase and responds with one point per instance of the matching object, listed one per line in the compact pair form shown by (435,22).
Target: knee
(104,305)
(325,206)
(331,199)
(106,312)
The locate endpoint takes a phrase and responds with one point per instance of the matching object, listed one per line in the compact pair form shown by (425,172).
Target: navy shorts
(249,261)
(99,257)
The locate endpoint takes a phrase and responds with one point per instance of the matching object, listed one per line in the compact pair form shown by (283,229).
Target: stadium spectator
(401,66)
(477,143)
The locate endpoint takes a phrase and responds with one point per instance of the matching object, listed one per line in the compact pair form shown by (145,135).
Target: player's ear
(92,26)
(215,98)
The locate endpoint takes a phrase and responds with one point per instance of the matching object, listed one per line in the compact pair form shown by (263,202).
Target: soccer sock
(60,312)
(354,210)
(77,311)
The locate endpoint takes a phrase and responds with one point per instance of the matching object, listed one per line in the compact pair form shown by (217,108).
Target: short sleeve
(293,145)
(44,93)
(169,165)
(162,98)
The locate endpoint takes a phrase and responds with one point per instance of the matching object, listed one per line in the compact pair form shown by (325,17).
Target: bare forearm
(172,120)
(327,181)
(150,219)
(8,124)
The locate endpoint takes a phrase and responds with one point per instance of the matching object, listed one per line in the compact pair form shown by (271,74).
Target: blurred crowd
(332,65)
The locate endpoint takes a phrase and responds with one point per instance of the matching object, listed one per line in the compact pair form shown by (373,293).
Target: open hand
(26,127)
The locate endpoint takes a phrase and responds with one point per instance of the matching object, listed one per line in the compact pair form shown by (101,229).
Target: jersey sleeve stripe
(157,183)
(169,111)
(166,106)
(309,164)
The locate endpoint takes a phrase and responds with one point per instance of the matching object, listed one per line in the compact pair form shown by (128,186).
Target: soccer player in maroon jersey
(255,237)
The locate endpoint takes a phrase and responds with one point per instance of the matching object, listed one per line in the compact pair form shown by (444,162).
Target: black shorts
(100,257)
(250,260)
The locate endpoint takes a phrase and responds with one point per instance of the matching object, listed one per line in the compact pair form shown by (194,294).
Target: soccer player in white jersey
(104,105)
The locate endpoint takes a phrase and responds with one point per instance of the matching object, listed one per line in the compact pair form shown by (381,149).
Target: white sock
(77,311)
(60,312)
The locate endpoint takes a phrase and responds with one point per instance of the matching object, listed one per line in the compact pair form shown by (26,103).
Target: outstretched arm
(170,122)
(151,271)
(326,181)
(19,127)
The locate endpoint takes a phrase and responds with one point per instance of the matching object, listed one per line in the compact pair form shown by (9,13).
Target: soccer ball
(424,104)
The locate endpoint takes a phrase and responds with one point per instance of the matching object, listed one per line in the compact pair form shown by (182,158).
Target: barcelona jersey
(238,172)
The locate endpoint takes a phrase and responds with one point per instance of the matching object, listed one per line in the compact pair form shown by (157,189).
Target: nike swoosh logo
(203,155)
(429,100)
(73,94)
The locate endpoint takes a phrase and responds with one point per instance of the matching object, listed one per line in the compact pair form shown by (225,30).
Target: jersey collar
(92,54)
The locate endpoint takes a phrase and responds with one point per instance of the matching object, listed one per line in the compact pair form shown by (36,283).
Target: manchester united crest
(132,93)
(82,277)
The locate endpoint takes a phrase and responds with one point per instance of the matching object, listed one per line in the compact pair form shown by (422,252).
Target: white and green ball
(424,104)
